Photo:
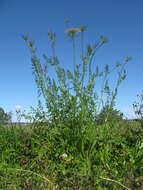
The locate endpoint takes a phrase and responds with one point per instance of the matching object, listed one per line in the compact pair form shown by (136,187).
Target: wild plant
(72,95)
(73,102)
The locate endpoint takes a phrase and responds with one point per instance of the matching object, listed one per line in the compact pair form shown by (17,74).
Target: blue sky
(119,20)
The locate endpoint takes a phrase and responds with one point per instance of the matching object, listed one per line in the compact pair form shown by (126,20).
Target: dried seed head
(127,59)
(103,39)
(25,37)
(51,35)
(89,50)
(72,31)
(30,44)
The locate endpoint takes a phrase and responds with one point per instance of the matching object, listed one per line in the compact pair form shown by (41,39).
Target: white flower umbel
(64,155)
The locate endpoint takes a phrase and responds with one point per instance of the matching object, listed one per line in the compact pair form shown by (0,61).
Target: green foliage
(78,146)
(72,96)
(138,108)
(39,157)
(35,115)
(4,117)
(108,114)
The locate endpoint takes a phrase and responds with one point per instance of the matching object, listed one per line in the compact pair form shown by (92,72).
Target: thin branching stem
(74,62)
(117,182)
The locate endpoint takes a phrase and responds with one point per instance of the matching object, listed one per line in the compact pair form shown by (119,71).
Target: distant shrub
(108,114)
(138,108)
(4,117)
(36,115)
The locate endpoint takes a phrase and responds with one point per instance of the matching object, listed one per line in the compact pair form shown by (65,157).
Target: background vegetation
(5,117)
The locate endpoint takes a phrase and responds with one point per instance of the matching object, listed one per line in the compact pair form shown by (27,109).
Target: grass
(31,158)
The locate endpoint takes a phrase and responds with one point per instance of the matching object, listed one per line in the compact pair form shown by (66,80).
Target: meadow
(81,141)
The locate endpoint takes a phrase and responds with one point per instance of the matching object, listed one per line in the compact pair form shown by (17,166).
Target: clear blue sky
(119,20)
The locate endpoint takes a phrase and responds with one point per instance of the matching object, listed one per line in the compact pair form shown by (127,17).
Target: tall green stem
(82,44)
(74,63)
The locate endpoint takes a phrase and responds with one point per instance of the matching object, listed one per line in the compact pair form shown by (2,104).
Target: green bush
(4,117)
(108,114)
